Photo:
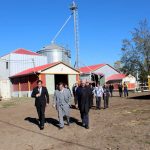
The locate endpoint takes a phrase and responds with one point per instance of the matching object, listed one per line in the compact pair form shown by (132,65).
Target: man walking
(62,97)
(125,87)
(98,91)
(111,89)
(106,96)
(74,89)
(91,89)
(84,100)
(120,89)
(41,96)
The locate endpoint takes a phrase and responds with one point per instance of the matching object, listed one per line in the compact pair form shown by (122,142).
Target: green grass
(147,142)
(8,104)
(13,102)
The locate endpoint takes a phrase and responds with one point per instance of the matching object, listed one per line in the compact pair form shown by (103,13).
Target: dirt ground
(124,126)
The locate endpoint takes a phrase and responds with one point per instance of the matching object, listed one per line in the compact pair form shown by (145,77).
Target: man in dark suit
(84,103)
(41,96)
(106,96)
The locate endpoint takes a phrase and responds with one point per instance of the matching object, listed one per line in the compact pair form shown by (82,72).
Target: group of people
(83,93)
(123,88)
(99,92)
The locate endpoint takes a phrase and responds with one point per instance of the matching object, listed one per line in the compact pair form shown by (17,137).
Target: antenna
(74,9)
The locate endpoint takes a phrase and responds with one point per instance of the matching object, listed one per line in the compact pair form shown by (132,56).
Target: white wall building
(15,62)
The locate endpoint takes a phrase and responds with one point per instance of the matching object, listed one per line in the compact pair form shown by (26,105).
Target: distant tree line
(136,52)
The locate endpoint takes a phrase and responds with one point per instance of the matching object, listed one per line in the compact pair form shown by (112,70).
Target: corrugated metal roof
(35,69)
(116,77)
(52,46)
(88,69)
(38,69)
(25,52)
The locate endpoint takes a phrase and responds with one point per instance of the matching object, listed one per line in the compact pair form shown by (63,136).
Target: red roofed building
(15,62)
(116,77)
(104,73)
(97,73)
(51,74)
(25,52)
(92,68)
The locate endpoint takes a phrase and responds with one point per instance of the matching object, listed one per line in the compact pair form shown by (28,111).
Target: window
(6,65)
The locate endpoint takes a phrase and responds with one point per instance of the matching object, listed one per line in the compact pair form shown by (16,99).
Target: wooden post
(19,88)
(29,87)
(149,82)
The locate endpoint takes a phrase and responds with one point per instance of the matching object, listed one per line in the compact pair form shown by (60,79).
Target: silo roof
(53,46)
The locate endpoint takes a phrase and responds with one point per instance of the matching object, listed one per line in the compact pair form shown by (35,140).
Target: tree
(136,52)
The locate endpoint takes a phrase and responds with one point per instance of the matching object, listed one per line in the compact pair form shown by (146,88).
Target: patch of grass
(147,142)
(8,104)
(13,101)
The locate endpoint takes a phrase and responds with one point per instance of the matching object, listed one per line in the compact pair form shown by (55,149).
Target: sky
(103,24)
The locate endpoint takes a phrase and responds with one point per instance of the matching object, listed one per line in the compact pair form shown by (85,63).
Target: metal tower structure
(74,10)
(74,13)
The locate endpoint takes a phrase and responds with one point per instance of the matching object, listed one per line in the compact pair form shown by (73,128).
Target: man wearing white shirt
(41,96)
(98,91)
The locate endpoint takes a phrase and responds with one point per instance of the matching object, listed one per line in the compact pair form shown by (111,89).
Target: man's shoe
(60,128)
(86,127)
(42,128)
(68,123)
(83,124)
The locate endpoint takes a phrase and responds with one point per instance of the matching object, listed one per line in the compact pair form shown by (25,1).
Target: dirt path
(124,126)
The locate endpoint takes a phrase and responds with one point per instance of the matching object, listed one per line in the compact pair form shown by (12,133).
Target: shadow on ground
(32,120)
(48,136)
(142,97)
(52,121)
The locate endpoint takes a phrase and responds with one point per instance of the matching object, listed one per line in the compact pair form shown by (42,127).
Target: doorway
(61,78)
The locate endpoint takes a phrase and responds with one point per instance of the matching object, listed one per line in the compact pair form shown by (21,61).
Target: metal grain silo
(56,53)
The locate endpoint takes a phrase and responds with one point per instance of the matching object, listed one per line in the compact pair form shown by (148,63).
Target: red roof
(116,77)
(24,51)
(88,69)
(35,69)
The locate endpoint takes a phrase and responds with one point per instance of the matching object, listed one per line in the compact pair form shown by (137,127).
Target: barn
(51,74)
(97,73)
(105,73)
(121,78)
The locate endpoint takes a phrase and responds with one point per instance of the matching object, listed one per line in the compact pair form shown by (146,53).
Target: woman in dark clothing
(84,98)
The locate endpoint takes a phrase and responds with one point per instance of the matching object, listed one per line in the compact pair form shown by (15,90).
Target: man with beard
(84,98)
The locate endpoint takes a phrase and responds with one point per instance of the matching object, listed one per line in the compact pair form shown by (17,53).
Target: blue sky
(31,24)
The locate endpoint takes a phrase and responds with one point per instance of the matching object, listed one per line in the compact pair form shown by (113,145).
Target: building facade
(104,73)
(15,62)
(51,74)
(97,73)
